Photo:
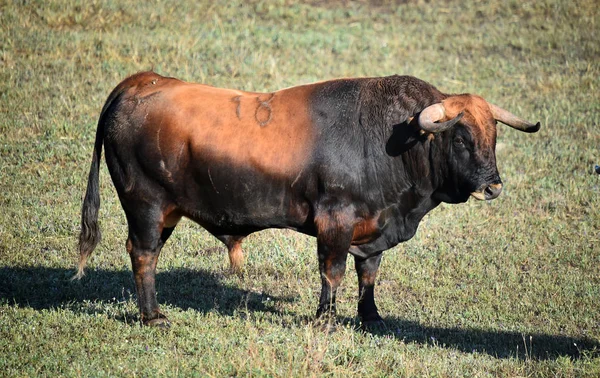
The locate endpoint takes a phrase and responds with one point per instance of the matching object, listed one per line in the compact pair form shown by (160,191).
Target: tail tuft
(90,236)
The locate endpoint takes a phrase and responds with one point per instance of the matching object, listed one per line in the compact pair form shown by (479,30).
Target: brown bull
(356,163)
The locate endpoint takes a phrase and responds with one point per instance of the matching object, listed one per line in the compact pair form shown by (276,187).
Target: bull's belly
(243,206)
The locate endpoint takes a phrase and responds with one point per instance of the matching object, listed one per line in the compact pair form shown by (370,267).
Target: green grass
(506,288)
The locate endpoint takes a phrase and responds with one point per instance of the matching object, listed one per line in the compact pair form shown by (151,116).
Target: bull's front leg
(332,266)
(366,269)
(333,242)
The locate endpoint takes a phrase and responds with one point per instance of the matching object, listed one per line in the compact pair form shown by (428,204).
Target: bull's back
(271,133)
(222,156)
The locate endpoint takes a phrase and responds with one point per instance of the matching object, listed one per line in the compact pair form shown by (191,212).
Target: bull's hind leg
(147,235)
(234,249)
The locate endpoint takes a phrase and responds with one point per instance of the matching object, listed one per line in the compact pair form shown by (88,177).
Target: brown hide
(366,230)
(477,116)
(267,132)
(340,160)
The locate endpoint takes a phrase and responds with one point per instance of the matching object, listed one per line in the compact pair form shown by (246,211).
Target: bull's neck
(424,164)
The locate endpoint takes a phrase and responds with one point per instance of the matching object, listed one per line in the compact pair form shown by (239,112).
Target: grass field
(505,288)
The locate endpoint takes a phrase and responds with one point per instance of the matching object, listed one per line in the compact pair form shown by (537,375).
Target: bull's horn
(512,120)
(433,113)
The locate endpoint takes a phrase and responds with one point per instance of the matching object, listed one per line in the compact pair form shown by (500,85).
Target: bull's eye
(459,141)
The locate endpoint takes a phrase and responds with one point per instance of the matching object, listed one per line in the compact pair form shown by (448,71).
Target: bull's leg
(234,249)
(332,267)
(146,239)
(333,242)
(366,269)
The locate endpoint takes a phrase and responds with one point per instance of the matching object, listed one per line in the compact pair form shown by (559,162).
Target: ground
(505,288)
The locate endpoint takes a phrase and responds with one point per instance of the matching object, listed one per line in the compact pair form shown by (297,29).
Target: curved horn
(512,120)
(433,113)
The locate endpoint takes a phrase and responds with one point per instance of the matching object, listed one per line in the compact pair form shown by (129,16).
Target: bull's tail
(90,235)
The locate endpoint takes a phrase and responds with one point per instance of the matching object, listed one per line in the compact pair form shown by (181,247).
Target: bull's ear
(429,117)
(512,120)
(403,138)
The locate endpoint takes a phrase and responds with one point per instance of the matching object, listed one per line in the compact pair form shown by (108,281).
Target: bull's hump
(268,132)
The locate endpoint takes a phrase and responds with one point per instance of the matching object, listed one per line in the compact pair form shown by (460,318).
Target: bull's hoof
(326,320)
(161,322)
(374,326)
(373,323)
(329,327)
(327,324)
(236,271)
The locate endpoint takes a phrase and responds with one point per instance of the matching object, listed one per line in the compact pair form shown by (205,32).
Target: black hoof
(373,324)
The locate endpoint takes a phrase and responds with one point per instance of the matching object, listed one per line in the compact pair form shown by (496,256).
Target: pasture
(509,287)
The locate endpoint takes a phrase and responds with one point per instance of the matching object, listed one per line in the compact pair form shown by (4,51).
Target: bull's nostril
(492,191)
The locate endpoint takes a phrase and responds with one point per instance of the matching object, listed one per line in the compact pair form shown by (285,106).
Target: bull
(356,163)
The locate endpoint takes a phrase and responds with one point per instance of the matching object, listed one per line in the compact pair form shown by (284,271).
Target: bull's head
(470,123)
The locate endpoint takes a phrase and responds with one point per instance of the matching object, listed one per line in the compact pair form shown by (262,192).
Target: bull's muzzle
(488,192)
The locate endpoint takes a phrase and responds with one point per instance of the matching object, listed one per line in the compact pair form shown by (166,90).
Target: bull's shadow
(499,344)
(200,290)
(203,291)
